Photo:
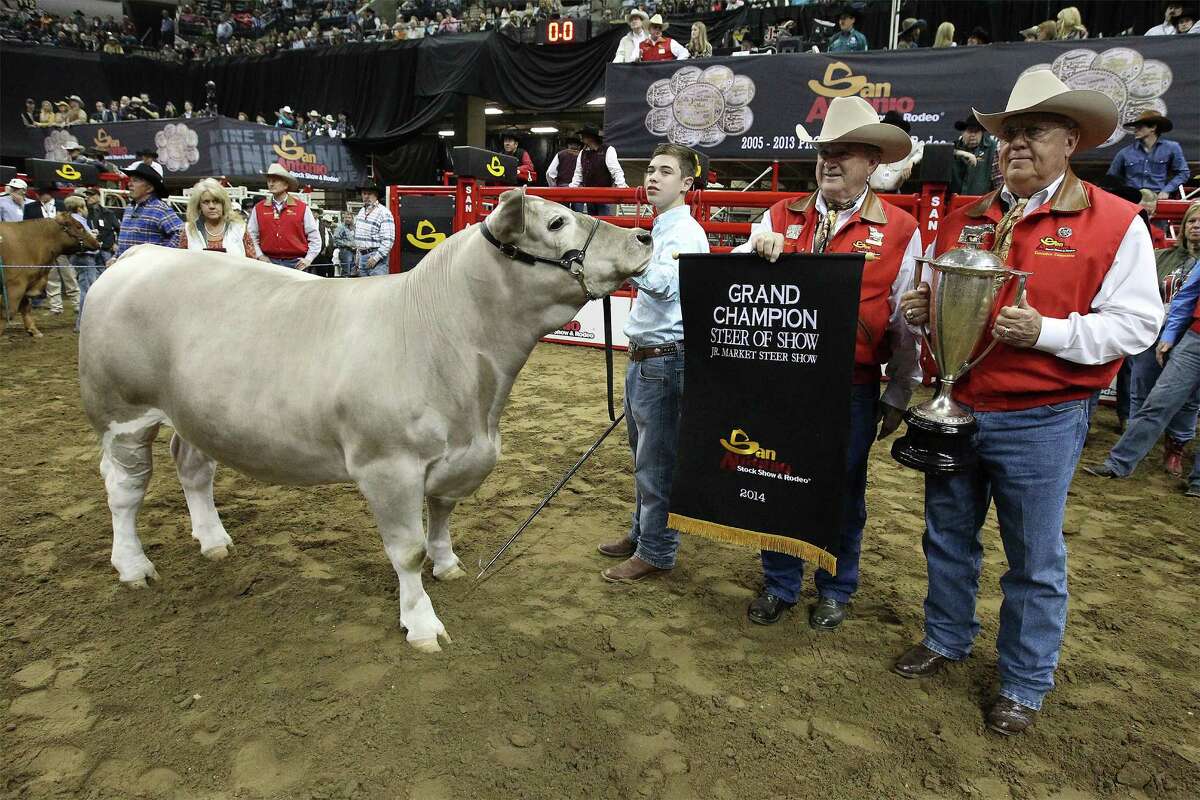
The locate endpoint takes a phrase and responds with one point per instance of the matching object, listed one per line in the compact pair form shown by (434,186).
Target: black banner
(748,107)
(493,167)
(766,411)
(208,146)
(425,222)
(47,173)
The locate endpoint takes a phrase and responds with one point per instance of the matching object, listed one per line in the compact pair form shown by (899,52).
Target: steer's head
(72,236)
(551,231)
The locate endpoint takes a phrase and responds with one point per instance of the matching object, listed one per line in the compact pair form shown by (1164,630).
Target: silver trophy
(964,288)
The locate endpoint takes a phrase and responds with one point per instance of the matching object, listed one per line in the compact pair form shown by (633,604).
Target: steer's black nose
(644,238)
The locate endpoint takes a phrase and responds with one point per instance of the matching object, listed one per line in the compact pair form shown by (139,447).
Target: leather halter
(570,261)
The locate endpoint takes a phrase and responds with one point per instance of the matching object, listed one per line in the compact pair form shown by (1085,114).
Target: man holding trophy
(845,216)
(1010,424)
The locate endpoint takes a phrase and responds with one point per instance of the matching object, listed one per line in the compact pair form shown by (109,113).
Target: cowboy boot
(1173,457)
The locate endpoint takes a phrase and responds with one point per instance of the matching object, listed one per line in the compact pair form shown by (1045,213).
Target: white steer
(396,383)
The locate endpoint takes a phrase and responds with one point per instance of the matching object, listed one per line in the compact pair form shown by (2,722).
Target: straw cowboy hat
(657,21)
(277,171)
(852,120)
(1041,92)
(71,144)
(637,12)
(1150,117)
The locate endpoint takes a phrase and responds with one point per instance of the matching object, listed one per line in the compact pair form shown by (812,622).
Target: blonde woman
(945,35)
(698,46)
(1070,24)
(212,222)
(46,115)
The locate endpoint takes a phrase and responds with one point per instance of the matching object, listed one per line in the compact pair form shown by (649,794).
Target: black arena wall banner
(766,405)
(207,146)
(748,107)
(425,222)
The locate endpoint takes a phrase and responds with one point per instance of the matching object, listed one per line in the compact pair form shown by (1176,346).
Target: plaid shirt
(151,221)
(374,230)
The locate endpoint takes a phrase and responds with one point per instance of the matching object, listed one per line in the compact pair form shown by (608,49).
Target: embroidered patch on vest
(1049,246)
(874,237)
(1065,233)
(793,232)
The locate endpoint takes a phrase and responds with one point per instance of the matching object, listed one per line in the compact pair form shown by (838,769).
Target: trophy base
(936,448)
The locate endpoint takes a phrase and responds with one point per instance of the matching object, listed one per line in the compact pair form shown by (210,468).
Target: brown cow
(36,242)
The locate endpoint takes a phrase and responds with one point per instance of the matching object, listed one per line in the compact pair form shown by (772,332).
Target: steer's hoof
(430,645)
(36,334)
(452,574)
(140,578)
(217,553)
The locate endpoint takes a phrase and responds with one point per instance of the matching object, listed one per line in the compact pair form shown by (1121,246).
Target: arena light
(445,133)
(543,129)
(492,111)
(599,101)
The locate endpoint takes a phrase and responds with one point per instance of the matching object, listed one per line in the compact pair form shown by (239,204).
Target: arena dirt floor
(282,672)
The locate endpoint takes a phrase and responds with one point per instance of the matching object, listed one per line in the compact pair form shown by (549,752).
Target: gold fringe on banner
(759,541)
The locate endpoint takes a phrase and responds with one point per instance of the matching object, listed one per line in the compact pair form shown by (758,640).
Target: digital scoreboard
(563,31)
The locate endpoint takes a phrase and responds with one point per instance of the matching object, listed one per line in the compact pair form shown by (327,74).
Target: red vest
(282,236)
(1069,244)
(660,51)
(877,228)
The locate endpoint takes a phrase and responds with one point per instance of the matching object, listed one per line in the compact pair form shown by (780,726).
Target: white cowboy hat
(17,183)
(852,120)
(1040,91)
(275,170)
(657,20)
(286,110)
(637,12)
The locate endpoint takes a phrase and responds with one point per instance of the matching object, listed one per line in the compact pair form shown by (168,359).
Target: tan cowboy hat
(852,120)
(1150,117)
(1040,91)
(657,20)
(71,144)
(275,170)
(637,12)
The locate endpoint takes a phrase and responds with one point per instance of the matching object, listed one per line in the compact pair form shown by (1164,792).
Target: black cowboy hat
(150,175)
(146,151)
(588,130)
(512,133)
(895,118)
(850,10)
(370,186)
(969,122)
(574,138)
(912,25)
(981,34)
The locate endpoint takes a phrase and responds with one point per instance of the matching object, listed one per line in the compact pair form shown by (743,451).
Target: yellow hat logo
(68,172)
(495,167)
(426,237)
(740,443)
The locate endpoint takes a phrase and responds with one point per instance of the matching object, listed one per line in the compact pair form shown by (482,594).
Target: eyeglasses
(1030,133)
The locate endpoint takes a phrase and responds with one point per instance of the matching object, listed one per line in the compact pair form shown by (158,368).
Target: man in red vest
(1092,299)
(282,227)
(845,216)
(657,47)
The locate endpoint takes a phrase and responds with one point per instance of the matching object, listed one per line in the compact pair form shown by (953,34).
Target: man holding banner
(654,379)
(846,216)
(1092,297)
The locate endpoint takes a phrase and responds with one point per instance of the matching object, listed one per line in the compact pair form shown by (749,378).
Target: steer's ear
(507,222)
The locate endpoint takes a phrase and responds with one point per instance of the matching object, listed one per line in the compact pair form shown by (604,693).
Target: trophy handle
(1022,277)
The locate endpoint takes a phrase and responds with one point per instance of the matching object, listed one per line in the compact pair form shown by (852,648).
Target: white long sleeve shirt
(656,316)
(627,50)
(1126,314)
(904,367)
(610,161)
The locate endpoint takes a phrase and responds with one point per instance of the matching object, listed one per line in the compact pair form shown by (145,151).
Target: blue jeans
(1144,374)
(600,209)
(365,271)
(1026,462)
(783,575)
(88,267)
(346,261)
(284,262)
(1177,386)
(653,390)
